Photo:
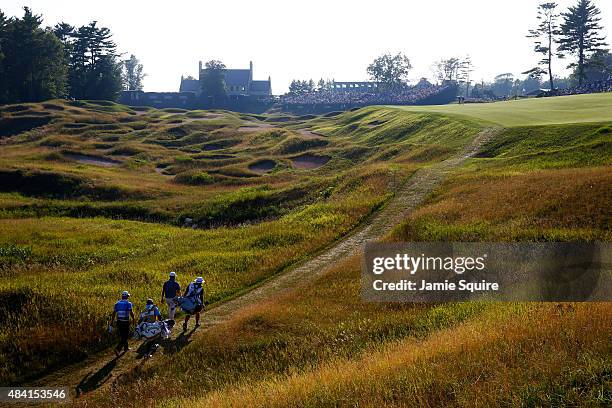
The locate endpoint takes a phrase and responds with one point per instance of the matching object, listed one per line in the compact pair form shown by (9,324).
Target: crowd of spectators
(397,96)
(590,87)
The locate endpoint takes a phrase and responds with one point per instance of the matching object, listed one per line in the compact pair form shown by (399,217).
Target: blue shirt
(123,309)
(171,288)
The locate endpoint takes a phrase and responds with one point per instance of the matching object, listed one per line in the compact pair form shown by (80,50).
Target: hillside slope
(300,335)
(322,346)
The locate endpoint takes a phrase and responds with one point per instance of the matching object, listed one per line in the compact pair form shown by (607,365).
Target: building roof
(189,85)
(260,86)
(239,77)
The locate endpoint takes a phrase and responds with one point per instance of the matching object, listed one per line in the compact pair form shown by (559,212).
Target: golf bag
(148,331)
(189,305)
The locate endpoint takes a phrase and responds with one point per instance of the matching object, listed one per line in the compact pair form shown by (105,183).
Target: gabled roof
(260,86)
(238,77)
(189,85)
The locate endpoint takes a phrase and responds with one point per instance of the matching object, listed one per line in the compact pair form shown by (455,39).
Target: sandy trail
(100,371)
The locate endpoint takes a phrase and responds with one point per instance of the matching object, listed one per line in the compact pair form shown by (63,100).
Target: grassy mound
(128,179)
(323,346)
(320,345)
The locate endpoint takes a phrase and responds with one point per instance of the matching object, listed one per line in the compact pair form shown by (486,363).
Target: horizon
(328,40)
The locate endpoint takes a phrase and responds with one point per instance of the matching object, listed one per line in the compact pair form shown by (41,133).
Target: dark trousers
(123,327)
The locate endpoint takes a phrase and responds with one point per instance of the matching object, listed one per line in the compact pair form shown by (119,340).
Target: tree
(598,67)
(503,84)
(298,87)
(390,70)
(94,69)
(544,36)
(321,85)
(64,32)
(3,85)
(580,35)
(213,82)
(447,69)
(463,76)
(33,66)
(311,86)
(132,74)
(530,83)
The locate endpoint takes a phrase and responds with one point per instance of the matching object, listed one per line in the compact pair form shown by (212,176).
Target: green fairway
(535,111)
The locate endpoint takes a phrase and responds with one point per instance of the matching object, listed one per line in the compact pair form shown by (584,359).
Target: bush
(194,178)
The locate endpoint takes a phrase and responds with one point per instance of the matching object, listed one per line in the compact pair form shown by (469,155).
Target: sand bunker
(308,134)
(309,161)
(254,127)
(95,160)
(161,171)
(262,166)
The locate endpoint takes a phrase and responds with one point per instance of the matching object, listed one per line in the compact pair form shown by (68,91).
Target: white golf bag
(148,331)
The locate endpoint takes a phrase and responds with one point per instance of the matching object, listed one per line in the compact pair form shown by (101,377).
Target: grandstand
(344,97)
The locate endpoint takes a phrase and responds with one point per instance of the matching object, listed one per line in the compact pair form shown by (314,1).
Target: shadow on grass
(94,381)
(177,344)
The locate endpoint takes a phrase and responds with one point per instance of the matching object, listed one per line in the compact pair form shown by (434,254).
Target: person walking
(151,313)
(195,291)
(123,312)
(170,290)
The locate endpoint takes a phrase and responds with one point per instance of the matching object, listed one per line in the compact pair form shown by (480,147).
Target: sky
(331,39)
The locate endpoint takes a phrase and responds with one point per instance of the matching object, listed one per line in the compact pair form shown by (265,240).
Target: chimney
(251,71)
(200,65)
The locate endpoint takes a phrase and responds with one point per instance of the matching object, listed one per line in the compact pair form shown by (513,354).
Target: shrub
(199,178)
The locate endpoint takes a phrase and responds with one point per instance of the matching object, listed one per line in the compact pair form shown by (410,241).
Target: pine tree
(544,35)
(33,66)
(321,85)
(580,34)
(94,69)
(3,85)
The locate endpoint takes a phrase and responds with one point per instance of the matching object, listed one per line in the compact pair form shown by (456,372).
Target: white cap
(125,293)
(199,279)
(172,273)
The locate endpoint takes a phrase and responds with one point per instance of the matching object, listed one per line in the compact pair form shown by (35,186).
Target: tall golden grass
(519,355)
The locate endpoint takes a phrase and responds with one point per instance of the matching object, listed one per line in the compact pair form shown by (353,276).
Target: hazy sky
(312,39)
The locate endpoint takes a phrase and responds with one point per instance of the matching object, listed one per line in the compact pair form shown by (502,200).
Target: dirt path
(100,371)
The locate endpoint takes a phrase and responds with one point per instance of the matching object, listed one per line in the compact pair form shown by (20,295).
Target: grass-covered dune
(94,201)
(67,254)
(322,346)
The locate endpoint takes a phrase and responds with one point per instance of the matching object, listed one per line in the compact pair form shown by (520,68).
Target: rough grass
(543,183)
(555,146)
(322,323)
(561,205)
(322,346)
(164,162)
(65,273)
(531,355)
(319,345)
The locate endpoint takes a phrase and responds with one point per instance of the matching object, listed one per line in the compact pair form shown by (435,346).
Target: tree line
(39,63)
(574,33)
